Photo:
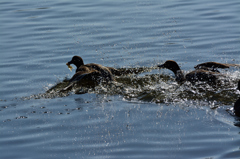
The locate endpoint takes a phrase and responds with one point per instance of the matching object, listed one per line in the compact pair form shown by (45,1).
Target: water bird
(237,103)
(213,66)
(204,72)
(78,62)
(89,74)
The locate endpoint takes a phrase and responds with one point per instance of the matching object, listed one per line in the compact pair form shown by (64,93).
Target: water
(141,116)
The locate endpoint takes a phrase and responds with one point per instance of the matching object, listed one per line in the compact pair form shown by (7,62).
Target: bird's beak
(161,66)
(69,63)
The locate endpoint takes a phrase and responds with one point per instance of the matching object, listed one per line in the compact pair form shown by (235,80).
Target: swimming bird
(90,73)
(199,74)
(237,103)
(213,66)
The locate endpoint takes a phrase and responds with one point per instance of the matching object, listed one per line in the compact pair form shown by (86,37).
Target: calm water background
(37,38)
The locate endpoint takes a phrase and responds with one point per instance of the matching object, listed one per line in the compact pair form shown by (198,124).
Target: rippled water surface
(143,114)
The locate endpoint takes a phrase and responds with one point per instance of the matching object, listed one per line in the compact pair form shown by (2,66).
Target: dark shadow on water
(237,121)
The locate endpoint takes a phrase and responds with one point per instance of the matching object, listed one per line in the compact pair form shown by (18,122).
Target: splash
(137,85)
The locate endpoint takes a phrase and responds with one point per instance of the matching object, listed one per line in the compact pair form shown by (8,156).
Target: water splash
(137,85)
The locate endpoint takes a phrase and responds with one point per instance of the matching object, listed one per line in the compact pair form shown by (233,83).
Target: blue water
(38,38)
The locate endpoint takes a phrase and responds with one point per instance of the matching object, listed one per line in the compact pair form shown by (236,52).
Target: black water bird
(89,73)
(213,66)
(237,103)
(204,72)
